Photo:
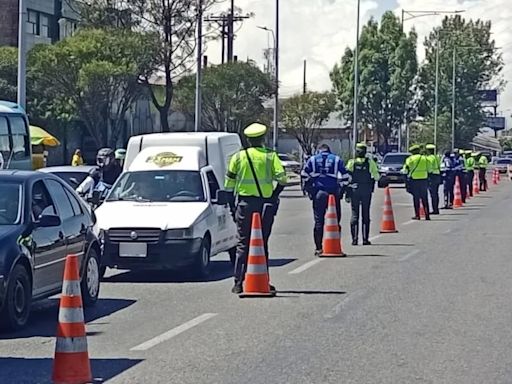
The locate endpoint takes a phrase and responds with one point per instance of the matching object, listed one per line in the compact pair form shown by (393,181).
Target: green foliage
(304,114)
(388,66)
(92,76)
(478,66)
(232,96)
(8,73)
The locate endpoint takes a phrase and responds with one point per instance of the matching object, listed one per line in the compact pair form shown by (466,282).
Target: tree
(478,66)
(92,76)
(388,66)
(304,114)
(8,73)
(173,21)
(232,96)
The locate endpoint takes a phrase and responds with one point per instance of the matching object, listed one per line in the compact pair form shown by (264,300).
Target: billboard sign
(496,123)
(488,96)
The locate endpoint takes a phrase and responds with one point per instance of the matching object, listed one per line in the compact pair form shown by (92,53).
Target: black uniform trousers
(433,187)
(361,200)
(483,179)
(469,182)
(462,182)
(419,190)
(449,184)
(320,203)
(247,205)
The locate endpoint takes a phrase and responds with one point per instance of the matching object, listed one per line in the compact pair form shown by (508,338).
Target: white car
(290,165)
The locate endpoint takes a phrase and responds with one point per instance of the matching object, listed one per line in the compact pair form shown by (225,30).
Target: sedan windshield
(10,203)
(158,186)
(394,159)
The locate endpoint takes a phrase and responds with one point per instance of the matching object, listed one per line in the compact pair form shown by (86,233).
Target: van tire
(16,309)
(232,255)
(201,267)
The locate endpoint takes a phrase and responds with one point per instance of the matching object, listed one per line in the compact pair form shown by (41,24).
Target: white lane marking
(336,310)
(375,237)
(409,222)
(409,255)
(173,332)
(304,267)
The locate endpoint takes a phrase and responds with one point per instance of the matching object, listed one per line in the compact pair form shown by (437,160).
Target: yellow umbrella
(38,136)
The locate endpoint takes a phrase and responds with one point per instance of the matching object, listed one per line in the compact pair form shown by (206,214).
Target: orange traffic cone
(457,201)
(331,246)
(71,364)
(387,224)
(257,281)
(494,177)
(476,188)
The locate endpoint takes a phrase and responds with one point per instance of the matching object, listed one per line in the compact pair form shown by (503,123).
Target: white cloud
(319,31)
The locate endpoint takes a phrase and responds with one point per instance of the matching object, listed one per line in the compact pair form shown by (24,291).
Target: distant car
(73,176)
(289,164)
(502,164)
(390,168)
(41,221)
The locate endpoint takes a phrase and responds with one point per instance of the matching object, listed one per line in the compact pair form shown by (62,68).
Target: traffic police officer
(435,177)
(365,173)
(460,173)
(251,175)
(470,171)
(482,166)
(417,168)
(325,175)
(448,170)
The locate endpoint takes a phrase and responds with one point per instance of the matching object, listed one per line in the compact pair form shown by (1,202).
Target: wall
(9,22)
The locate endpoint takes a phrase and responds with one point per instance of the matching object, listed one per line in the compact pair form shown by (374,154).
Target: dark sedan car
(390,169)
(41,221)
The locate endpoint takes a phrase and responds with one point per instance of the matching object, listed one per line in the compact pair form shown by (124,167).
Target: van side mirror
(222,197)
(47,221)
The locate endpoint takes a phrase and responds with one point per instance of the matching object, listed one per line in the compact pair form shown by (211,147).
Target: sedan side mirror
(47,221)
(222,198)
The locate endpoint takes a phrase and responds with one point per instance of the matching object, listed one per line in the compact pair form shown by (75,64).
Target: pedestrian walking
(325,175)
(483,163)
(470,171)
(417,168)
(77,158)
(364,173)
(448,172)
(251,176)
(435,177)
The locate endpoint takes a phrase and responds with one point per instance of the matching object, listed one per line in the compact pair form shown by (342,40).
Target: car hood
(126,214)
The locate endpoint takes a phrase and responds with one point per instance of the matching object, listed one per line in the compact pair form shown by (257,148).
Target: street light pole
(22,55)
(436,93)
(199,47)
(356,81)
(453,100)
(276,96)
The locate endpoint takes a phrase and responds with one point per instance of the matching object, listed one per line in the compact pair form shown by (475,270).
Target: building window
(44,25)
(32,22)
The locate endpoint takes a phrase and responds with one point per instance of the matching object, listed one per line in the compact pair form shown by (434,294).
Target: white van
(168,210)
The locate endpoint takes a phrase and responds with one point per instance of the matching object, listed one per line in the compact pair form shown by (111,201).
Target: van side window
(213,184)
(20,141)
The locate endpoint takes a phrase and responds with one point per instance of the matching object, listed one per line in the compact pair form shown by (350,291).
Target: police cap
(468,152)
(414,147)
(361,146)
(255,130)
(430,146)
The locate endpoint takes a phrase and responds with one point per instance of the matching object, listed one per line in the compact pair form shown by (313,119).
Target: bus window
(4,139)
(20,141)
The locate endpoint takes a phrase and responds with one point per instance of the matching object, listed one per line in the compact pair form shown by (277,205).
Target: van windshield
(158,186)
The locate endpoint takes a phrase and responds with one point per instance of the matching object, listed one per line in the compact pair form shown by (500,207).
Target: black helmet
(105,156)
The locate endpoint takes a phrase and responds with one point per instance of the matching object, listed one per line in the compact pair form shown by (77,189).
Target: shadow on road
(353,256)
(311,292)
(391,245)
(43,319)
(39,371)
(220,270)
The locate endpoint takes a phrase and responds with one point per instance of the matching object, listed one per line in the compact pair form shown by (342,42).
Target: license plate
(393,177)
(133,249)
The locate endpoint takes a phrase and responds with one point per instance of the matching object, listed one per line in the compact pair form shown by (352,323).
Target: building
(47,21)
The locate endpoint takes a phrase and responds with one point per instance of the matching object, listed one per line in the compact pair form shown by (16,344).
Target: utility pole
(22,55)
(356,81)
(199,48)
(276,96)
(436,93)
(304,84)
(453,100)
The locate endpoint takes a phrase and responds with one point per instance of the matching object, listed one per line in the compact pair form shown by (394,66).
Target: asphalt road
(430,304)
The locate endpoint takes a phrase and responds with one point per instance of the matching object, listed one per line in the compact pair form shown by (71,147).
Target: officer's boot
(366,234)
(354,229)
